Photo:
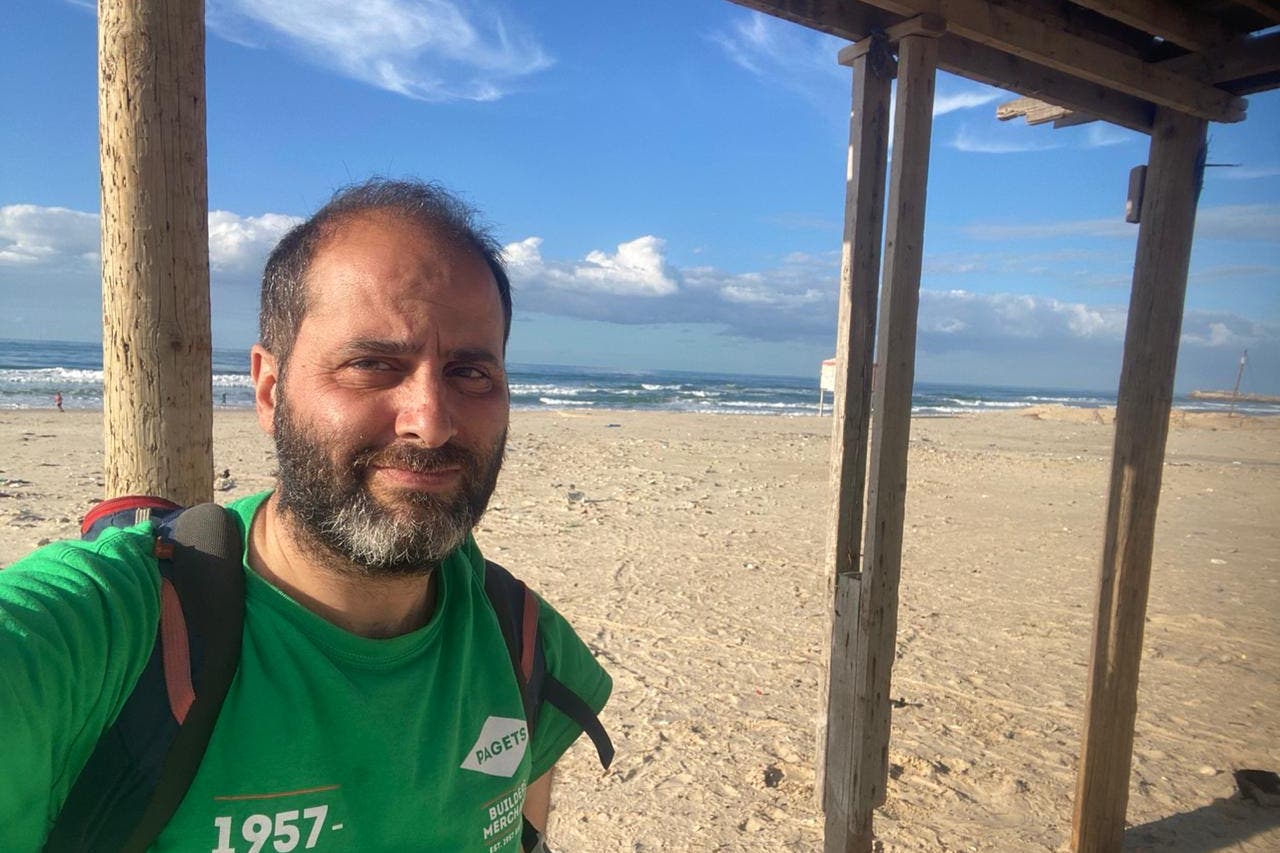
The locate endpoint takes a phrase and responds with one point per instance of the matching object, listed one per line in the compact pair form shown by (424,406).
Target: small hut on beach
(1165,68)
(1160,67)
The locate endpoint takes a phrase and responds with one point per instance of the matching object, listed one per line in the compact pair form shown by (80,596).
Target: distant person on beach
(57,400)
(375,707)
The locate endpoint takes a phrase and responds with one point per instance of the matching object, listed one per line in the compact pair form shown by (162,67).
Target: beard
(325,491)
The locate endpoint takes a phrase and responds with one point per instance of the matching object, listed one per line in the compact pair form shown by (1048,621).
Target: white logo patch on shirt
(500,747)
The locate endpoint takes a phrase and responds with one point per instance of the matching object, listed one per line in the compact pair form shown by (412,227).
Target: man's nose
(424,412)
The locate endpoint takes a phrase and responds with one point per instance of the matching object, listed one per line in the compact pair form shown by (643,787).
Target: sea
(31,372)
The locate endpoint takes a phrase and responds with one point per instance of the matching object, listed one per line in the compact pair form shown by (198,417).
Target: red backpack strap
(517,609)
(124,511)
(144,763)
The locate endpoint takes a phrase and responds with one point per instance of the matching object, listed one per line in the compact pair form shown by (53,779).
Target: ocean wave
(45,375)
(554,401)
(531,390)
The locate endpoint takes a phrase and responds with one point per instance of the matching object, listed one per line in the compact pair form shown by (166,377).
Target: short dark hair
(443,214)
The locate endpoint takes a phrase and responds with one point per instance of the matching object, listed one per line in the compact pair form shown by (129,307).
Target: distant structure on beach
(1233,396)
(827,382)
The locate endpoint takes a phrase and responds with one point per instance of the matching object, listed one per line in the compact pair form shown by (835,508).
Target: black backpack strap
(145,762)
(571,705)
(531,840)
(510,600)
(517,610)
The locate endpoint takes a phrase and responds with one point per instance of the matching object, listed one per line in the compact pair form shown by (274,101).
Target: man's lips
(436,477)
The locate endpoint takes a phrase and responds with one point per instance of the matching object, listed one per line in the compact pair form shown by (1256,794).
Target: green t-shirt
(327,741)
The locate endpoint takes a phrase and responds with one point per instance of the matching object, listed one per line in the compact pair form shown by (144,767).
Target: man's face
(391,419)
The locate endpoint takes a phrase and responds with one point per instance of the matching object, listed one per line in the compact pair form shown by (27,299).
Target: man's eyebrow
(376,346)
(400,348)
(479,354)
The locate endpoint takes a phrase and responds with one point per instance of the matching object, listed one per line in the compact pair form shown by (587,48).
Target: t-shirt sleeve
(570,661)
(77,624)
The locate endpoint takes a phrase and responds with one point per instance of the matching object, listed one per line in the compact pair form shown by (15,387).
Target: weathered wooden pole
(157,400)
(873,69)
(874,636)
(1142,424)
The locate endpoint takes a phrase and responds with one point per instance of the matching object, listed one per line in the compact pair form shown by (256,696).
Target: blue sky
(668,178)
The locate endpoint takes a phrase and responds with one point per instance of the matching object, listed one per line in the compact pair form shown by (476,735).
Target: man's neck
(367,606)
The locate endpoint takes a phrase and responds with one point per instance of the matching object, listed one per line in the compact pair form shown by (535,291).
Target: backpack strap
(145,762)
(516,607)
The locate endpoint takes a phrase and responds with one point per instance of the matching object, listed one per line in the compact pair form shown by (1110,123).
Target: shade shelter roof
(1114,60)
(1162,67)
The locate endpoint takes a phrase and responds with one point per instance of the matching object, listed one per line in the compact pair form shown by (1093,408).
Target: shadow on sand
(1218,826)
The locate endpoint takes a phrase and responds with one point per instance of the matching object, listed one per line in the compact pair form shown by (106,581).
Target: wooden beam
(1180,23)
(974,61)
(157,397)
(1073,120)
(1173,182)
(986,65)
(1243,60)
(1269,10)
(1033,110)
(890,432)
(847,19)
(1017,28)
(873,70)
(919,25)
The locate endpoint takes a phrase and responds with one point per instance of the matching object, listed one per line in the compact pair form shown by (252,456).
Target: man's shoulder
(118,554)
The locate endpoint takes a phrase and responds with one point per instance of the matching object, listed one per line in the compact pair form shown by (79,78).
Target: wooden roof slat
(1237,69)
(1267,9)
(977,62)
(844,18)
(1014,27)
(1033,110)
(1030,47)
(1176,22)
(1073,119)
(996,68)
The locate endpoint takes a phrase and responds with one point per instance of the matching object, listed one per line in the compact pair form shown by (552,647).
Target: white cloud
(638,284)
(242,243)
(56,237)
(959,320)
(967,99)
(637,268)
(1102,135)
(432,50)
(47,256)
(33,235)
(786,54)
(1253,222)
(1250,222)
(1242,173)
(1041,230)
(1010,323)
(1219,330)
(970,320)
(1009,141)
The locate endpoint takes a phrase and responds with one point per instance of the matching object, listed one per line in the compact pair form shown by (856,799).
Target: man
(373,681)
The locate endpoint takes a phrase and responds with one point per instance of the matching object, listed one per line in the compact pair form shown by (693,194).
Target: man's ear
(264,370)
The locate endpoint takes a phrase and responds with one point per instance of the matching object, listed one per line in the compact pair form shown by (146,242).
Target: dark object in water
(1261,786)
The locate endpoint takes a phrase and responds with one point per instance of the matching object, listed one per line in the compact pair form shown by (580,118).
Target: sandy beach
(688,551)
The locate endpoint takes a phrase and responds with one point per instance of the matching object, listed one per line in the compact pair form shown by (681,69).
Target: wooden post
(873,70)
(157,396)
(874,594)
(1142,423)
